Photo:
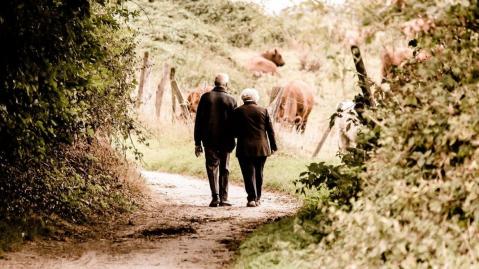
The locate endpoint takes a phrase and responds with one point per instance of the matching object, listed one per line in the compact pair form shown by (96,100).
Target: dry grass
(172,143)
(328,94)
(172,150)
(171,146)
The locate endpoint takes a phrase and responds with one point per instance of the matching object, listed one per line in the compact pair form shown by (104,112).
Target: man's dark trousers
(252,170)
(218,171)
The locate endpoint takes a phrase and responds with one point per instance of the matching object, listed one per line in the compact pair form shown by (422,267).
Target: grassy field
(200,52)
(172,150)
(213,46)
(171,144)
(182,35)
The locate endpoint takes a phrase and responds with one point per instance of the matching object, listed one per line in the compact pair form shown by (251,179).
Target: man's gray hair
(250,94)
(222,79)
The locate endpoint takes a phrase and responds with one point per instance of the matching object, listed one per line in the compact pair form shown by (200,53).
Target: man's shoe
(214,203)
(225,203)
(251,204)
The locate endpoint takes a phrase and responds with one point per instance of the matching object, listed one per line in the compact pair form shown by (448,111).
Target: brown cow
(412,28)
(194,96)
(391,58)
(400,4)
(295,105)
(266,63)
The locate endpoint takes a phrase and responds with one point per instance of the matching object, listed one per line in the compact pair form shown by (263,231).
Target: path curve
(176,230)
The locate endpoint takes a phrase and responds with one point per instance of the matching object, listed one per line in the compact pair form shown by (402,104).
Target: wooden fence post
(173,106)
(161,89)
(323,139)
(142,79)
(364,83)
(176,91)
(277,103)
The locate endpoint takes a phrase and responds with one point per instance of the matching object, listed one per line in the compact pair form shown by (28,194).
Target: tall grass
(171,144)
(171,149)
(198,53)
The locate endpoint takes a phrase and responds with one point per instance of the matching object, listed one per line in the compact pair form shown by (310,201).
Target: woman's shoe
(225,203)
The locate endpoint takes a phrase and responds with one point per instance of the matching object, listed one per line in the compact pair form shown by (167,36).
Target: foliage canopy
(418,204)
(66,73)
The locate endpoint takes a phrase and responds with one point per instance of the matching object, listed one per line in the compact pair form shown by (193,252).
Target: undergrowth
(416,201)
(90,184)
(66,79)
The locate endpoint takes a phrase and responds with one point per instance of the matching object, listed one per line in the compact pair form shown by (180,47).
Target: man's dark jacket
(254,130)
(213,117)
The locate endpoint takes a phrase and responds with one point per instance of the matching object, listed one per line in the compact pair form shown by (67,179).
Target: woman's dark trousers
(252,170)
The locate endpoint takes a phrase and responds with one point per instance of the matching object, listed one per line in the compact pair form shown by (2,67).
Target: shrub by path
(175,230)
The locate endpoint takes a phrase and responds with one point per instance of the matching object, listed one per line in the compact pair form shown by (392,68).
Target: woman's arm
(270,132)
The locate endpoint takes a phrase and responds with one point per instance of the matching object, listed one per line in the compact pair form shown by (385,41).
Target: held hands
(198,151)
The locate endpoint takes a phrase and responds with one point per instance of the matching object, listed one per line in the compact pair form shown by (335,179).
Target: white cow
(347,124)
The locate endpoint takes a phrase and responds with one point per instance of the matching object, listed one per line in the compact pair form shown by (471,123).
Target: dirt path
(176,230)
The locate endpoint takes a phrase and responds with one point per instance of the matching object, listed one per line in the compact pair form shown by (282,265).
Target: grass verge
(286,243)
(173,151)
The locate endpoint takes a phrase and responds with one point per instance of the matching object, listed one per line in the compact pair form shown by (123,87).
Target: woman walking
(253,128)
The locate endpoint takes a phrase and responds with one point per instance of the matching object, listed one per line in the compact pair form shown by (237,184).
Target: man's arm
(270,132)
(198,121)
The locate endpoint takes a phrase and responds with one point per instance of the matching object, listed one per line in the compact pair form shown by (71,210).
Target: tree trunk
(173,107)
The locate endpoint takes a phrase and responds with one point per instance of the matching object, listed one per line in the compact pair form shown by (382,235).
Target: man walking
(212,121)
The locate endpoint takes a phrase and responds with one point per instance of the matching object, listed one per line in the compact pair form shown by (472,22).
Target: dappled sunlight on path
(176,229)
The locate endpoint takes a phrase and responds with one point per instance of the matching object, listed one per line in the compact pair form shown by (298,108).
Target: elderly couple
(218,122)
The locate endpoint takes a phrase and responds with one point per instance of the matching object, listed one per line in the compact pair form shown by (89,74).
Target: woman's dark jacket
(253,128)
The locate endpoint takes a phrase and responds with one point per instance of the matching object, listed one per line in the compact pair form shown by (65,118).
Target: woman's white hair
(250,94)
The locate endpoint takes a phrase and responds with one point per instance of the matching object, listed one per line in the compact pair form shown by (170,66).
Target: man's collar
(219,89)
(249,102)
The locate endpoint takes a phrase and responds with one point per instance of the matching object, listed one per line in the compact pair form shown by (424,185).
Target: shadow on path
(176,229)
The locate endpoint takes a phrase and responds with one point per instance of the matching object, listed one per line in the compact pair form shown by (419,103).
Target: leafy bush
(342,183)
(65,80)
(418,204)
(64,74)
(417,207)
(85,181)
(243,24)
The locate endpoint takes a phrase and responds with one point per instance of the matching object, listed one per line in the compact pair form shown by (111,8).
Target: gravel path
(176,229)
